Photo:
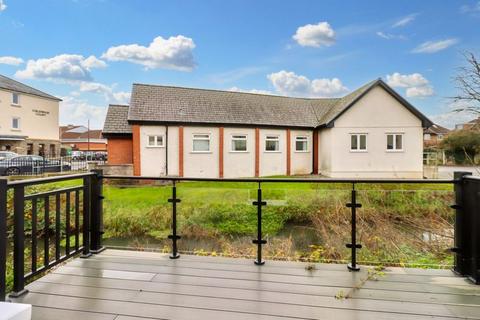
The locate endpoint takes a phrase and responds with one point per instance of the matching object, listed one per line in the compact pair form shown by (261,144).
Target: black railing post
(87,184)
(259,241)
(353,245)
(3,236)
(18,241)
(461,233)
(97,211)
(174,237)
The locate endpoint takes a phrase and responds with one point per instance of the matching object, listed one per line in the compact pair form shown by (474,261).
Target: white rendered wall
(273,162)
(201,164)
(376,114)
(238,164)
(301,162)
(152,159)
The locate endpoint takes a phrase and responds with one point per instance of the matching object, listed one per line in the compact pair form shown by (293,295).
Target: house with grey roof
(28,120)
(372,132)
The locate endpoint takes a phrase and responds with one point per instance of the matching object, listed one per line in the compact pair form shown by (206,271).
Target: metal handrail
(283,180)
(31,182)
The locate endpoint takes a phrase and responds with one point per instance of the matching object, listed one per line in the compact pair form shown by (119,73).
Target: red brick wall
(136,149)
(120,150)
(220,152)
(257,152)
(289,152)
(180,151)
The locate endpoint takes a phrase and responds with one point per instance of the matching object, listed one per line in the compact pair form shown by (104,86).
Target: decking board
(128,285)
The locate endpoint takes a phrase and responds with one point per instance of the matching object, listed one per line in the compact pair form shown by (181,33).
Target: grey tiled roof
(116,120)
(186,105)
(166,104)
(12,85)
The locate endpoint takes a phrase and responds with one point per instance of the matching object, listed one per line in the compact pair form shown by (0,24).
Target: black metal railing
(86,204)
(69,216)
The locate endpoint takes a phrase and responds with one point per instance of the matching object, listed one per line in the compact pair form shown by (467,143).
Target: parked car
(89,155)
(78,155)
(101,156)
(31,165)
(7,154)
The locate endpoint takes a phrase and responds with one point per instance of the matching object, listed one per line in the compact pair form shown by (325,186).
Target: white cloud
(172,53)
(473,9)
(289,83)
(435,46)
(315,35)
(416,85)
(405,20)
(12,61)
(3,6)
(449,118)
(425,91)
(237,89)
(64,67)
(406,80)
(109,93)
(78,111)
(390,36)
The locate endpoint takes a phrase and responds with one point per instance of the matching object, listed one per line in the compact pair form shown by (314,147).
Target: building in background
(171,131)
(471,125)
(28,119)
(433,135)
(79,138)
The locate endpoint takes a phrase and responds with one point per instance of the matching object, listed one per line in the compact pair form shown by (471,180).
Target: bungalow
(372,133)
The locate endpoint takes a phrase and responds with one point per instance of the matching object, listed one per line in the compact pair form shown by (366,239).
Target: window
(272,144)
(301,144)
(358,142)
(201,143)
(427,136)
(15,123)
(41,149)
(52,150)
(440,137)
(15,98)
(394,142)
(155,141)
(30,148)
(239,143)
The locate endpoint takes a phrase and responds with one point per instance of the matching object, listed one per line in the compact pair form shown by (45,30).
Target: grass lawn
(391,223)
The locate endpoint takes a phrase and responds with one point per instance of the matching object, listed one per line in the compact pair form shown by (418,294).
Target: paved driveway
(446,172)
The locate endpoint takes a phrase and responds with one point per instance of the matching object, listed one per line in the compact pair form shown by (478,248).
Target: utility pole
(88,139)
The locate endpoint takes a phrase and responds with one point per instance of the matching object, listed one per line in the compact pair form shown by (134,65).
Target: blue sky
(89,52)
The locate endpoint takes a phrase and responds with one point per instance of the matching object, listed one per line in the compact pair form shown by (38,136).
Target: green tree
(463,145)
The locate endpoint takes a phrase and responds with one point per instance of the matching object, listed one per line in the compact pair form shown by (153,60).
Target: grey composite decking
(128,285)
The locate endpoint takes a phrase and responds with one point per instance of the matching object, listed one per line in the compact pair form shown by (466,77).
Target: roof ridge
(35,89)
(230,91)
(119,105)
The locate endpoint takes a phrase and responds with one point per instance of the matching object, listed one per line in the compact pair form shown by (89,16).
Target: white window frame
(235,137)
(395,134)
(155,141)
(19,122)
(302,139)
(427,136)
(357,135)
(18,99)
(196,136)
(272,137)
